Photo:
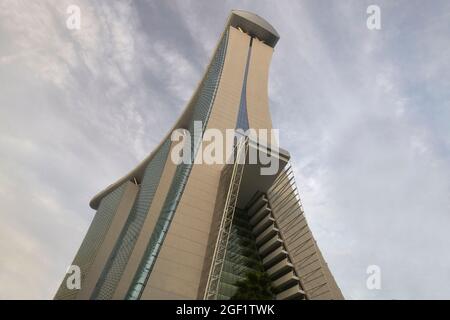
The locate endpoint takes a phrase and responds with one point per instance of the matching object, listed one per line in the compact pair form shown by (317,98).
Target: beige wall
(178,269)
(257,86)
(120,217)
(146,231)
(180,265)
(314,274)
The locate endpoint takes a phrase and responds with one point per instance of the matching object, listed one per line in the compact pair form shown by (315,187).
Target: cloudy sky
(364,113)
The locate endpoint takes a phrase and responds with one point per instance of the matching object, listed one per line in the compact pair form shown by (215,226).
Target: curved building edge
(250,23)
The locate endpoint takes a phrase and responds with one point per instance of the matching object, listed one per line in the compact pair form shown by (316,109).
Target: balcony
(294,292)
(281,268)
(267,234)
(259,214)
(275,256)
(270,245)
(285,282)
(262,225)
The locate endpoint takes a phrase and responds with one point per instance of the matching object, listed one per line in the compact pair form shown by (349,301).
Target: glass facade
(242,120)
(93,239)
(116,264)
(241,257)
(241,253)
(230,248)
(203,102)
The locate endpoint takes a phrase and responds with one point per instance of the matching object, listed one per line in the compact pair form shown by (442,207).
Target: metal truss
(220,250)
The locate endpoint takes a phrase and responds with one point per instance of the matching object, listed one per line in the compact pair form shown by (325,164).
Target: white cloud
(364,114)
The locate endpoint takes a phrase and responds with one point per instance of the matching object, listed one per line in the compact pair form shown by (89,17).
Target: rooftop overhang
(250,23)
(255,26)
(258,177)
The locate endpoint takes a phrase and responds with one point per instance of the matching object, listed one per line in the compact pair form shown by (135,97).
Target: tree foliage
(256,286)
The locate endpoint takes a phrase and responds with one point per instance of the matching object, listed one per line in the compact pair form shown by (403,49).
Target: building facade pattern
(192,231)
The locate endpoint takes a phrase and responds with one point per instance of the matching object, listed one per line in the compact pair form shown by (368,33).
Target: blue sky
(365,115)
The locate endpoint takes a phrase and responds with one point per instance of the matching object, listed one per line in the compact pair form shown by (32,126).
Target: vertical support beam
(212,286)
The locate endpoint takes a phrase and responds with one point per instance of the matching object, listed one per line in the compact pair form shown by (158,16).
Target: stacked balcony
(271,248)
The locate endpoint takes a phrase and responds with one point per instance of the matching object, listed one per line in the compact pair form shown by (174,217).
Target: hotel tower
(191,230)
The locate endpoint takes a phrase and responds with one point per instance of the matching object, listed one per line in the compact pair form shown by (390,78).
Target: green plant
(256,286)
